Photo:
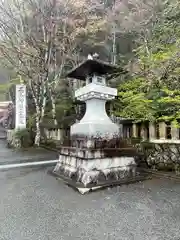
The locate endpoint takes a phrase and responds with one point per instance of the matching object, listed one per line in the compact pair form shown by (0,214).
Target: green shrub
(50,143)
(24,136)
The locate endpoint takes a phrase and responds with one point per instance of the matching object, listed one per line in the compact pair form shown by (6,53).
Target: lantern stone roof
(91,66)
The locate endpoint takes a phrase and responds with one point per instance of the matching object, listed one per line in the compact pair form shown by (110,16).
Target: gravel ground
(36,206)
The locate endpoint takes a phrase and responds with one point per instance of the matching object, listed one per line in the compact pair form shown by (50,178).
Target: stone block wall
(162,156)
(159,142)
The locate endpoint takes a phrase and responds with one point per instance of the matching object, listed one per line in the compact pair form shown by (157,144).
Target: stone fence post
(144,134)
(162,130)
(174,132)
(134,130)
(152,131)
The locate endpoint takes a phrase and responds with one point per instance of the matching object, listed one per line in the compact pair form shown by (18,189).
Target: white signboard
(20,106)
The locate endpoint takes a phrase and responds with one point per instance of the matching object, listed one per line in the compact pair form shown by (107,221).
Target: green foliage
(31,121)
(50,143)
(132,101)
(153,93)
(19,133)
(23,135)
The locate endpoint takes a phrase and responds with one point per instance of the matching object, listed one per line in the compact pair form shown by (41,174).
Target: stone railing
(154,132)
(160,132)
(9,135)
(160,143)
(51,134)
(12,140)
(54,134)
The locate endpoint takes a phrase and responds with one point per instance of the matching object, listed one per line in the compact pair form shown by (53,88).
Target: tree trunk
(38,130)
(38,134)
(40,111)
(114,52)
(43,106)
(54,109)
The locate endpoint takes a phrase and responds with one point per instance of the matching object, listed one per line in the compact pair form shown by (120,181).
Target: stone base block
(87,173)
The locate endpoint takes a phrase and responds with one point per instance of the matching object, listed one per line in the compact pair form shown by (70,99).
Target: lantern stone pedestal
(95,156)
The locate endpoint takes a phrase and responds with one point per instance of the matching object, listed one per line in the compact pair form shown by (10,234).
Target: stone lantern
(85,164)
(95,94)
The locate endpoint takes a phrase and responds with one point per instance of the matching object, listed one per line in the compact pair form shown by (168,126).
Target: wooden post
(162,130)
(152,131)
(134,130)
(174,132)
